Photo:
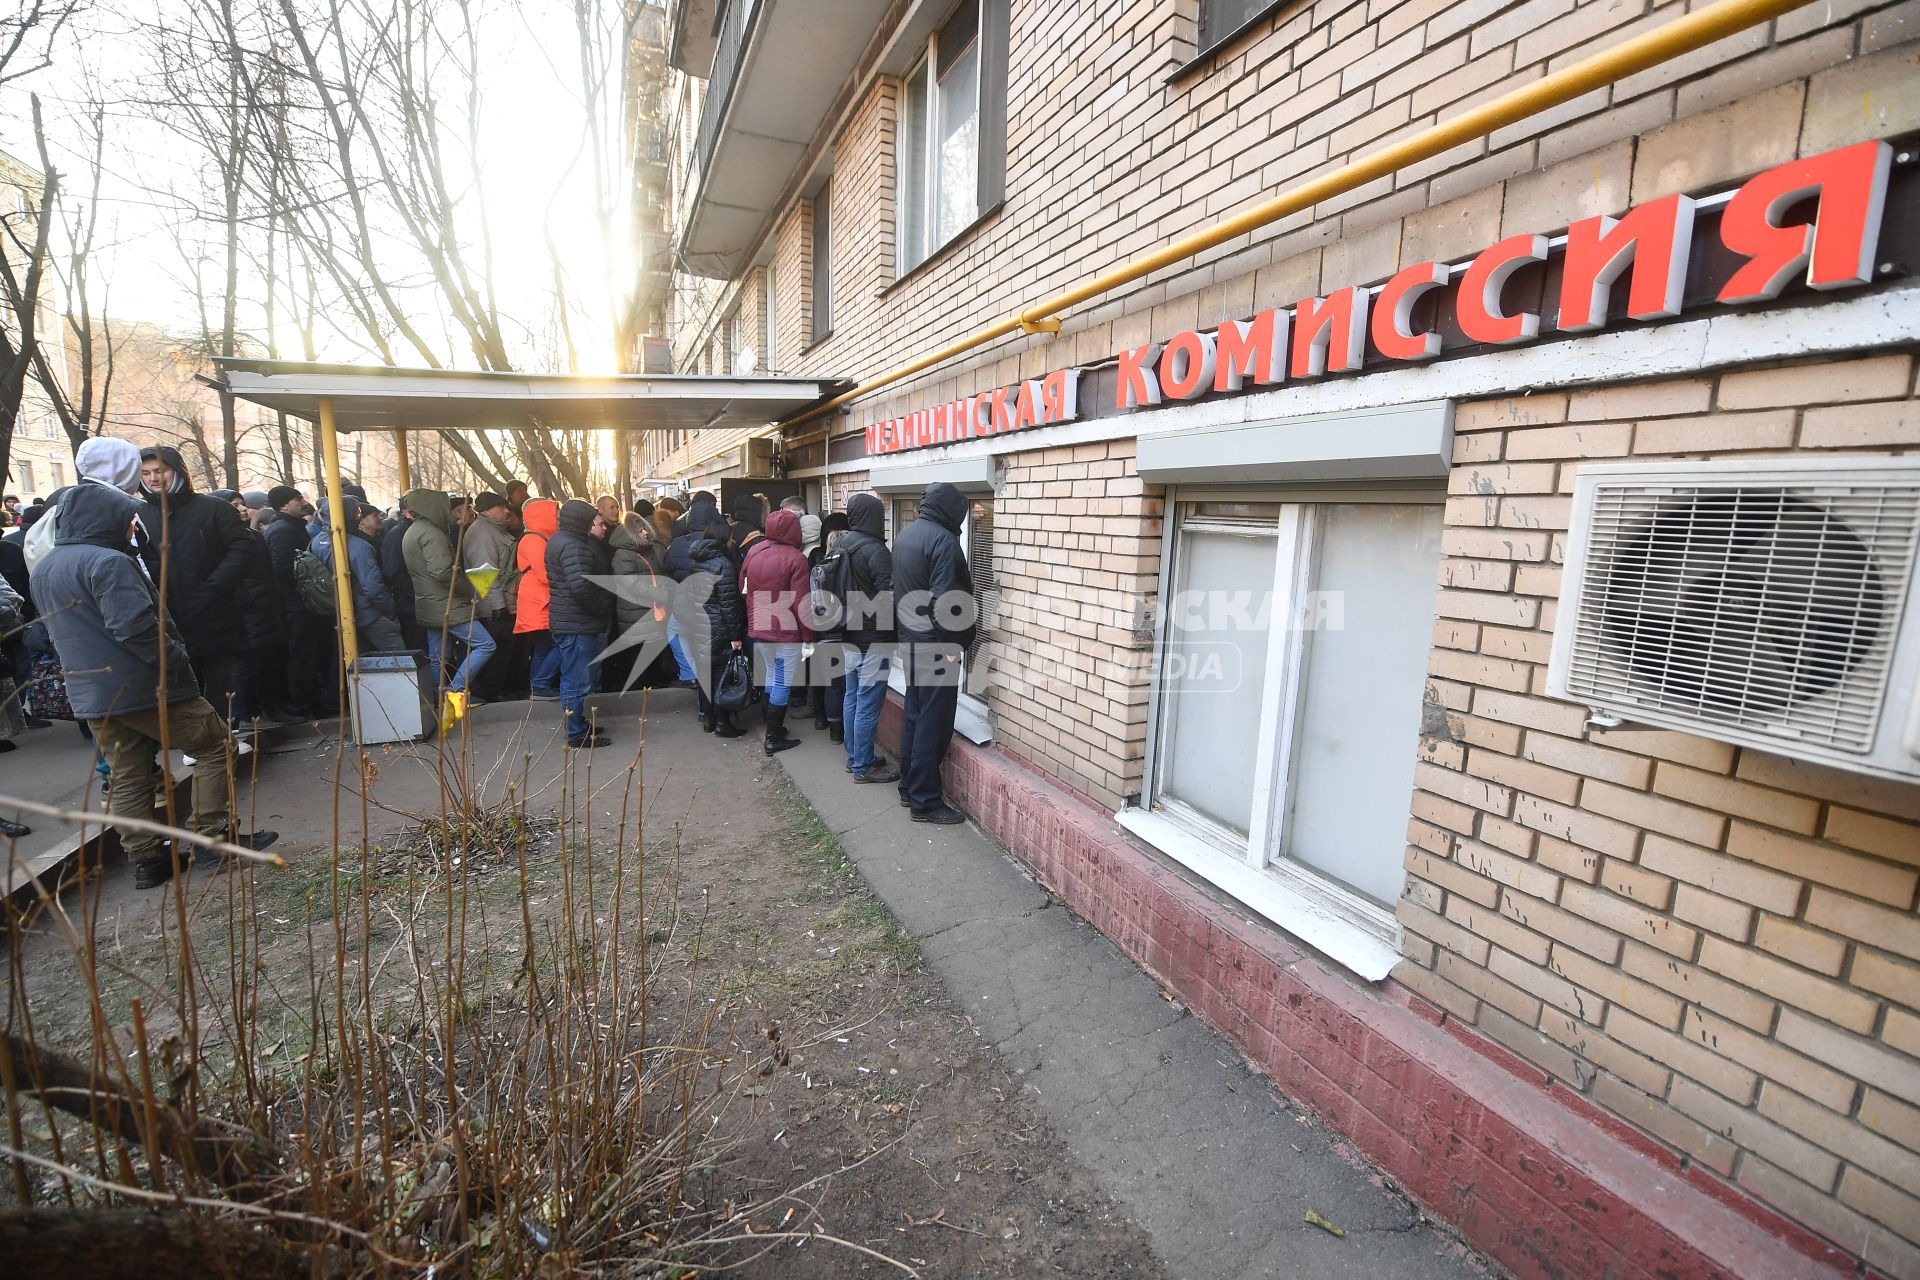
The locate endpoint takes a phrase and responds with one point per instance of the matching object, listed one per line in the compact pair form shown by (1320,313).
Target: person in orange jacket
(542,518)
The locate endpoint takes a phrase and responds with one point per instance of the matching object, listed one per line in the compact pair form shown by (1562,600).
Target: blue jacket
(372,598)
(103,613)
(687,530)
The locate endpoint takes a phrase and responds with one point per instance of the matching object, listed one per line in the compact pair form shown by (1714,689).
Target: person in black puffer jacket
(936,620)
(712,618)
(578,613)
(207,551)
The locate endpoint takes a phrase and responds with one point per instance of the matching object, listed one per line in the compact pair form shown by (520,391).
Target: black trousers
(313,683)
(933,694)
(222,678)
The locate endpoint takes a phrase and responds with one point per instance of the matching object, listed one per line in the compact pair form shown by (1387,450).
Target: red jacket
(541,517)
(774,581)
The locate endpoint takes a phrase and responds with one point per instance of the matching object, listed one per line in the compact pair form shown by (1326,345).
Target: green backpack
(314,581)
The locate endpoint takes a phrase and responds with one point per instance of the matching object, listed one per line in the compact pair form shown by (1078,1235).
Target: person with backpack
(199,548)
(578,614)
(444,599)
(777,587)
(129,676)
(542,519)
(933,588)
(373,611)
(712,620)
(867,628)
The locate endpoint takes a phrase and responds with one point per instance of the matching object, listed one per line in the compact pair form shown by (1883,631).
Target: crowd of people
(157,616)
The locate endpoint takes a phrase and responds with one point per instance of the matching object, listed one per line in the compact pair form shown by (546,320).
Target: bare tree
(28,33)
(207,94)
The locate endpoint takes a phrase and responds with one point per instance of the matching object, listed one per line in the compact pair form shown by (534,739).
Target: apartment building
(1460,636)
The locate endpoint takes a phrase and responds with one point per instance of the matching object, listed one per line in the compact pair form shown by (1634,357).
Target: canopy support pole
(337,525)
(400,454)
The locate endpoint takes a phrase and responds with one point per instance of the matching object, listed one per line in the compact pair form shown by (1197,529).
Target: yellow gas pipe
(1683,35)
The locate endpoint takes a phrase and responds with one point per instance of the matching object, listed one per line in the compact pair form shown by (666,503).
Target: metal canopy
(367,398)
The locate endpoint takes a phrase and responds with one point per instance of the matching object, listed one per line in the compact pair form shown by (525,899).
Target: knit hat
(488,500)
(108,461)
(225,495)
(280,495)
(255,499)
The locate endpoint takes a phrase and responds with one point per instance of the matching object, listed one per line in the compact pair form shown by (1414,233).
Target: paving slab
(1206,1154)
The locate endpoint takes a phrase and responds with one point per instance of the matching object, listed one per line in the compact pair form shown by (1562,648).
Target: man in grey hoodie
(129,679)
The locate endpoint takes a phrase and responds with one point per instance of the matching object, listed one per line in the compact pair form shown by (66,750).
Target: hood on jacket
(577,517)
(748,510)
(701,514)
(96,515)
(433,506)
(631,534)
(784,526)
(182,486)
(321,520)
(707,547)
(109,461)
(944,504)
(541,516)
(867,514)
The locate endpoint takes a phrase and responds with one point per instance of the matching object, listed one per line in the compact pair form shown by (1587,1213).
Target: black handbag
(734,690)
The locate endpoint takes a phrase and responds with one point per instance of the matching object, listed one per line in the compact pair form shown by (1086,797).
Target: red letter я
(1837,249)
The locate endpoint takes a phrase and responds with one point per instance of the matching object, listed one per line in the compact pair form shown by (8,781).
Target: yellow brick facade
(1717,945)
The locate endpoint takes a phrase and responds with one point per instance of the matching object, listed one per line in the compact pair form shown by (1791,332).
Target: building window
(24,470)
(1292,676)
(60,474)
(1221,20)
(940,139)
(823,264)
(952,130)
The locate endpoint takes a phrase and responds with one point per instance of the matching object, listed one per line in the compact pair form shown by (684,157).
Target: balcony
(778,68)
(691,33)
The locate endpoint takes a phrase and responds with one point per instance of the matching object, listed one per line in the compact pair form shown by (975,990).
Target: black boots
(777,737)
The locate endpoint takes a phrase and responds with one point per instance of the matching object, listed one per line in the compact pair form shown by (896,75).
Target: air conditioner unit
(756,458)
(1768,604)
(656,355)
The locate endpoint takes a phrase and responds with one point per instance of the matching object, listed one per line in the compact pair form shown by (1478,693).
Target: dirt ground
(865,1110)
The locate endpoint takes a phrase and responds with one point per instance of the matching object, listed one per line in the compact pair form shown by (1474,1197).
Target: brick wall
(1077,553)
(1715,943)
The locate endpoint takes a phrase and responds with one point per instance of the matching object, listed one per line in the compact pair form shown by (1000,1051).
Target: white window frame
(1348,926)
(925,75)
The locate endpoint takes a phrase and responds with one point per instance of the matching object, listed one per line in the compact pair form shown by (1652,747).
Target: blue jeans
(545,673)
(679,648)
(480,647)
(860,714)
(783,664)
(575,654)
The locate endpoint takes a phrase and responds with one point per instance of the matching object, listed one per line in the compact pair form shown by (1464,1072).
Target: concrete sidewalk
(1203,1152)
